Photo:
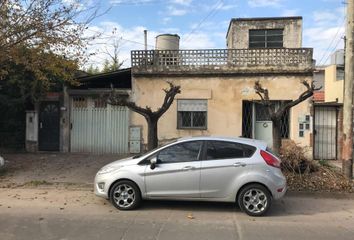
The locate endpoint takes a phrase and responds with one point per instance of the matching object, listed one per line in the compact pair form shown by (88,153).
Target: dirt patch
(35,169)
(325,179)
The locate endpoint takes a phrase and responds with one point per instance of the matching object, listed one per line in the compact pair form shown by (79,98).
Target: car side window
(181,152)
(226,150)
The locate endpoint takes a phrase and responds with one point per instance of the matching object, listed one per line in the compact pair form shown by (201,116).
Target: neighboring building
(328,108)
(78,120)
(319,82)
(334,78)
(217,84)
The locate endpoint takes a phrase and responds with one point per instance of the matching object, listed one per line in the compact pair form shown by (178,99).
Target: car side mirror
(153,162)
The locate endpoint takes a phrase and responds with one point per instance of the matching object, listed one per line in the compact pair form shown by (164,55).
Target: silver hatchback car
(197,168)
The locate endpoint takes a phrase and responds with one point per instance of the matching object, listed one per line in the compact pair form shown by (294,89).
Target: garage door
(97,127)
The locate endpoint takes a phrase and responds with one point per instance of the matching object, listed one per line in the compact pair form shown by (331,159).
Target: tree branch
(169,97)
(114,98)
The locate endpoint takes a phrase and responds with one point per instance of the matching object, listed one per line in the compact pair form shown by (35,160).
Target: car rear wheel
(125,195)
(254,199)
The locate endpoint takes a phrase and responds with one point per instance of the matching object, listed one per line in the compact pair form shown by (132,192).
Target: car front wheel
(254,199)
(125,195)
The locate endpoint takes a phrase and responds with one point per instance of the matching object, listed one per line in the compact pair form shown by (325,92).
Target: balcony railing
(284,59)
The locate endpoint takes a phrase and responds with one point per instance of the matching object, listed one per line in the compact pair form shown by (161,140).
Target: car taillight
(270,159)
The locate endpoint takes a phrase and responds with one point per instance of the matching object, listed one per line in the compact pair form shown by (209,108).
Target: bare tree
(152,117)
(276,114)
(113,62)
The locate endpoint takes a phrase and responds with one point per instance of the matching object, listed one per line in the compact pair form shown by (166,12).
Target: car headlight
(108,169)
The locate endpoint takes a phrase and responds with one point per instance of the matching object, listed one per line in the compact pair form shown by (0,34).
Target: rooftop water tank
(167,42)
(337,58)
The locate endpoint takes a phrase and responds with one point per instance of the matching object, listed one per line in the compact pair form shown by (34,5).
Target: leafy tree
(43,36)
(113,62)
(152,117)
(93,70)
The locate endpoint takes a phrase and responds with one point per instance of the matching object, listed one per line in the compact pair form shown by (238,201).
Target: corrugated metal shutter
(100,129)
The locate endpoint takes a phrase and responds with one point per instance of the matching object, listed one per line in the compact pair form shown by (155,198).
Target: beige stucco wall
(225,95)
(237,37)
(334,88)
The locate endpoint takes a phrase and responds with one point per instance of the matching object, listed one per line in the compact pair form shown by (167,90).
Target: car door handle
(188,168)
(239,164)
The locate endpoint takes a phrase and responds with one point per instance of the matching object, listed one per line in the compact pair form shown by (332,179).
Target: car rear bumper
(280,192)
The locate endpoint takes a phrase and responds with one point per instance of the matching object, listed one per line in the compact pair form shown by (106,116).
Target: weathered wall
(237,37)
(224,95)
(334,88)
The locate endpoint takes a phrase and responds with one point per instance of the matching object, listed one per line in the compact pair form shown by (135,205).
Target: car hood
(124,162)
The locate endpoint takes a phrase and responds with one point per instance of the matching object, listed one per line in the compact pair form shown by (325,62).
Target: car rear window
(226,150)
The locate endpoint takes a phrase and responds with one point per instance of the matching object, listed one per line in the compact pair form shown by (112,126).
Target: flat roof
(261,19)
(266,18)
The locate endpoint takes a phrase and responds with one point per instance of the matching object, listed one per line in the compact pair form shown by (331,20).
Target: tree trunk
(152,133)
(276,135)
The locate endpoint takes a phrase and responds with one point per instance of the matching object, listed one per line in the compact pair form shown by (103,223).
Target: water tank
(337,58)
(167,42)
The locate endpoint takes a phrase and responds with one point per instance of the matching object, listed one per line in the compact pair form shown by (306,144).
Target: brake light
(270,159)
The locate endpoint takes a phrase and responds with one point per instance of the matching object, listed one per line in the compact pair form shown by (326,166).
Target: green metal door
(97,127)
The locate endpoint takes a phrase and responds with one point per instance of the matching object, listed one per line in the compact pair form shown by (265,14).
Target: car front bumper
(101,186)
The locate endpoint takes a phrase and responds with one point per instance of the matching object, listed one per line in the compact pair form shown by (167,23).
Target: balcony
(222,61)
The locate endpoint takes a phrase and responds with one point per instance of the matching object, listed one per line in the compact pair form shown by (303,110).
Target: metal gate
(325,132)
(98,127)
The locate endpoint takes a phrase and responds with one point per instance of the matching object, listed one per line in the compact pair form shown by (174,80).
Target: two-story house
(217,95)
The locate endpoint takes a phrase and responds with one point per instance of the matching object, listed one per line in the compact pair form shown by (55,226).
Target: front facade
(217,95)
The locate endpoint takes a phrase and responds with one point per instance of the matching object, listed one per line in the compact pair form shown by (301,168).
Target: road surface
(78,214)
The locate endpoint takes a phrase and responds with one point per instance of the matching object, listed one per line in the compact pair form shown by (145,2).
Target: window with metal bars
(192,114)
(266,38)
(79,102)
(262,114)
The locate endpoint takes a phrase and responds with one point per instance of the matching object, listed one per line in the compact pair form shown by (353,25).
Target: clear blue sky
(203,24)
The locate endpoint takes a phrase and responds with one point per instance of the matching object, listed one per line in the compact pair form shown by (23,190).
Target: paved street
(78,214)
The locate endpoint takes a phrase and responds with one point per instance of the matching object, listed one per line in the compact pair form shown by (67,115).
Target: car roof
(254,142)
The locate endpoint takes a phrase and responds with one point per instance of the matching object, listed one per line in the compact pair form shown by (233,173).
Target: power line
(111,37)
(212,12)
(332,41)
(335,48)
(136,2)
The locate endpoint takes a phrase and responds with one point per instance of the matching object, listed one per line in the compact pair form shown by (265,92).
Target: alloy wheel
(255,200)
(124,195)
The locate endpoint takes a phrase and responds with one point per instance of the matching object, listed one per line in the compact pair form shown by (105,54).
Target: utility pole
(347,161)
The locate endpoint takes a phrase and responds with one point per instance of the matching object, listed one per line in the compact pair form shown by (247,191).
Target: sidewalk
(52,168)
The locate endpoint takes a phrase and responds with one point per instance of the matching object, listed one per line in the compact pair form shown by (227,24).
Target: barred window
(79,102)
(100,103)
(192,114)
(262,114)
(340,73)
(266,38)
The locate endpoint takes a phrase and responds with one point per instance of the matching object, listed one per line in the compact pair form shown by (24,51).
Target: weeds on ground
(37,183)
